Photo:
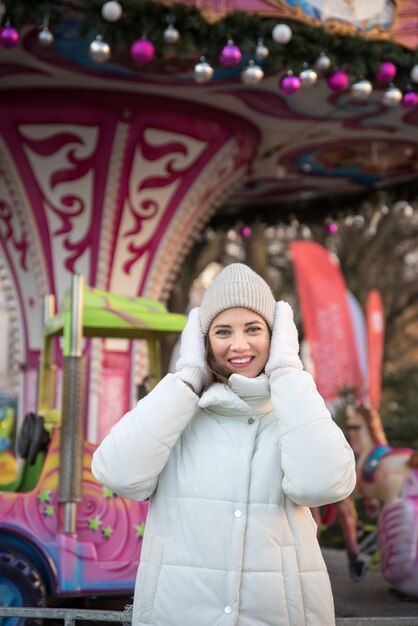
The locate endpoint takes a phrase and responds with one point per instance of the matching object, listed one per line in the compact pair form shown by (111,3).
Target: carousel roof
(312,144)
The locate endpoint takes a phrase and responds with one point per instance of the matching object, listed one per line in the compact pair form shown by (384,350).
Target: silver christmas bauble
(282,33)
(361,89)
(392,96)
(252,74)
(323,62)
(45,37)
(261,51)
(308,77)
(171,35)
(111,11)
(203,72)
(99,50)
(414,74)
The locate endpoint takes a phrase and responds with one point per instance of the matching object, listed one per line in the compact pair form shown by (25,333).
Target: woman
(231,450)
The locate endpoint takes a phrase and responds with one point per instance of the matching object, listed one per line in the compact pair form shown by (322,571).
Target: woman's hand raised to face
(191,364)
(284,347)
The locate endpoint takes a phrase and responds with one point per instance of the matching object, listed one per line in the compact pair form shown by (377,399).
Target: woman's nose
(239,342)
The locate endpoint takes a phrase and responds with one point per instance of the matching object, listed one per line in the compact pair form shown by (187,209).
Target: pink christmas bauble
(386,72)
(290,84)
(246,232)
(9,37)
(338,81)
(409,100)
(331,228)
(142,51)
(230,55)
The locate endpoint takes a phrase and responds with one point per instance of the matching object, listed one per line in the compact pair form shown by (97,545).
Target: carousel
(124,128)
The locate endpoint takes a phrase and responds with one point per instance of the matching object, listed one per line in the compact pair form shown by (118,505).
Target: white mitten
(284,346)
(191,364)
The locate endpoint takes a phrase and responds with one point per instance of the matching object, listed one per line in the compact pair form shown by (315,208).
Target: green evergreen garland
(357,55)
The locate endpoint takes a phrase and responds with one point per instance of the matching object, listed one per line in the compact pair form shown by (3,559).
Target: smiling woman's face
(240,342)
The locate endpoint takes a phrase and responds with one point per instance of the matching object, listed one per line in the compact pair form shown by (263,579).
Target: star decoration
(139,530)
(107,531)
(108,493)
(95,523)
(49,511)
(44,496)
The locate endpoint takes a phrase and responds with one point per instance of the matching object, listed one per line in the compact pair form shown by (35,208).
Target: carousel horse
(381,469)
(390,476)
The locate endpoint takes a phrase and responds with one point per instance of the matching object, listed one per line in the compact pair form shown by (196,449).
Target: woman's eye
(223,332)
(254,329)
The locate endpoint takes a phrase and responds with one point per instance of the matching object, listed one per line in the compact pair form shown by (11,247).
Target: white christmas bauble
(261,51)
(323,62)
(308,77)
(414,74)
(361,89)
(45,37)
(111,11)
(252,74)
(203,72)
(392,96)
(171,35)
(99,50)
(281,33)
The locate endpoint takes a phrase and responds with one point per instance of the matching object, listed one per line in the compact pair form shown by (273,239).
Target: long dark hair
(216,373)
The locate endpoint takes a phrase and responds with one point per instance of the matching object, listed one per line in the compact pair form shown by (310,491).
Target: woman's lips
(241,362)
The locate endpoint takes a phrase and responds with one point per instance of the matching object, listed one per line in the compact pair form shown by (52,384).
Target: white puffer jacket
(229,539)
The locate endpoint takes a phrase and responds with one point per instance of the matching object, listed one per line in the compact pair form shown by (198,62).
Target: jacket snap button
(237,513)
(228,609)
(251,420)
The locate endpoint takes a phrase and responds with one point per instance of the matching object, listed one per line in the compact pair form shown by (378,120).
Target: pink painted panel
(115,395)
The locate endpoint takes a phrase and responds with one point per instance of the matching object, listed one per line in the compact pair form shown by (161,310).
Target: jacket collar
(245,397)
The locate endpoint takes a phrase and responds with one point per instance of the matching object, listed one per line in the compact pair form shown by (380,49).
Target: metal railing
(71,616)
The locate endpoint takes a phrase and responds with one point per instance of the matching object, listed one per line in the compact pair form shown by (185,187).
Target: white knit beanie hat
(237,286)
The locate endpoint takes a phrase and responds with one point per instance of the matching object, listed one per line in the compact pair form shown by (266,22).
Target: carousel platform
(372,599)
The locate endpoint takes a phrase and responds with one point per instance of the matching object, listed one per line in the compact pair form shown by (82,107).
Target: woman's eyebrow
(229,325)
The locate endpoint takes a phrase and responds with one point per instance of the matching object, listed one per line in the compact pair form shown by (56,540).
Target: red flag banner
(375,342)
(326,319)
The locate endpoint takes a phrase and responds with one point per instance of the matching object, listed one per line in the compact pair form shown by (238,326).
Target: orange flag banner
(375,344)
(326,320)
